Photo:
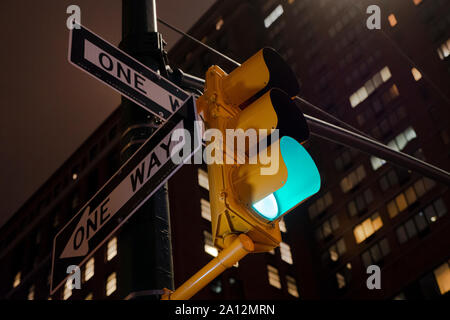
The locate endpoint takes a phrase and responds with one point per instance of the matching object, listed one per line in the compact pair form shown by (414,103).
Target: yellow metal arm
(238,247)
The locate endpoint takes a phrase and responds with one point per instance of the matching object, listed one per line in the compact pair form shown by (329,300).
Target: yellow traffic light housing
(247,194)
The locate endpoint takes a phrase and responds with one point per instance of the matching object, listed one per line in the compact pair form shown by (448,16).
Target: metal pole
(238,247)
(145,241)
(339,135)
(352,139)
(152,24)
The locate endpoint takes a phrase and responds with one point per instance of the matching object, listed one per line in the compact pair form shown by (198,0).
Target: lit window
(368,227)
(89,269)
(286,254)
(17,279)
(417,2)
(111,249)
(354,100)
(111,284)
(336,250)
(205,209)
(340,280)
(376,162)
(392,20)
(442,275)
(385,74)
(362,93)
(274,277)
(351,180)
(209,245)
(31,293)
(416,74)
(74,176)
(400,200)
(273,16)
(292,286)
(89,296)
(282,225)
(203,179)
(219,24)
(67,289)
(444,50)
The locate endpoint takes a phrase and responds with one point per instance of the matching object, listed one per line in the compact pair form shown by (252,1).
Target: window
(416,74)
(376,252)
(219,24)
(203,179)
(111,249)
(377,80)
(360,203)
(209,245)
(376,162)
(335,251)
(31,293)
(444,50)
(282,225)
(409,196)
(273,16)
(343,277)
(17,279)
(340,280)
(392,20)
(67,289)
(327,228)
(274,277)
(353,179)
(111,284)
(292,286)
(388,180)
(442,275)
(286,254)
(435,211)
(343,161)
(320,205)
(390,94)
(397,144)
(205,209)
(368,227)
(89,269)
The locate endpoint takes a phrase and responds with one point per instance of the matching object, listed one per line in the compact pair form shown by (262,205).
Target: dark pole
(351,139)
(145,251)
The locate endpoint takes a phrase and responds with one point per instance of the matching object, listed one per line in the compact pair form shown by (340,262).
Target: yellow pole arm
(238,247)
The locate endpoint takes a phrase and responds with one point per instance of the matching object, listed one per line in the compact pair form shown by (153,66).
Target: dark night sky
(48,106)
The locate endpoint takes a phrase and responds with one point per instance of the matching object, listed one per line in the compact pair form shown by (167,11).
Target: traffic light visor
(303,181)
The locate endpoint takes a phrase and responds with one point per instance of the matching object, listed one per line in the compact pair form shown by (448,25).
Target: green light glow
(267,207)
(302,182)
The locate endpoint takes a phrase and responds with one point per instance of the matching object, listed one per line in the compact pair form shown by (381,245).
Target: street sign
(124,74)
(149,167)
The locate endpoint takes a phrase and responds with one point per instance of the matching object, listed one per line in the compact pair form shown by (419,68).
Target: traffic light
(266,172)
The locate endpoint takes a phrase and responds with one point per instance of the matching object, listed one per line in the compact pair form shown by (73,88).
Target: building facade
(368,212)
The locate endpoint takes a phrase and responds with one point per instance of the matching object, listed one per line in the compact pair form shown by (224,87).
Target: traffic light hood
(264,70)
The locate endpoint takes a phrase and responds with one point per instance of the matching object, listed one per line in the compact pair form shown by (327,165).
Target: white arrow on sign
(92,221)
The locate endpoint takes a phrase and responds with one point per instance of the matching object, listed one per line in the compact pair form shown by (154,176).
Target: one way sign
(157,159)
(124,74)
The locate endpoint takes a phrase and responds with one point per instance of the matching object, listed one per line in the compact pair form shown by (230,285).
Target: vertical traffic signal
(266,171)
(258,169)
